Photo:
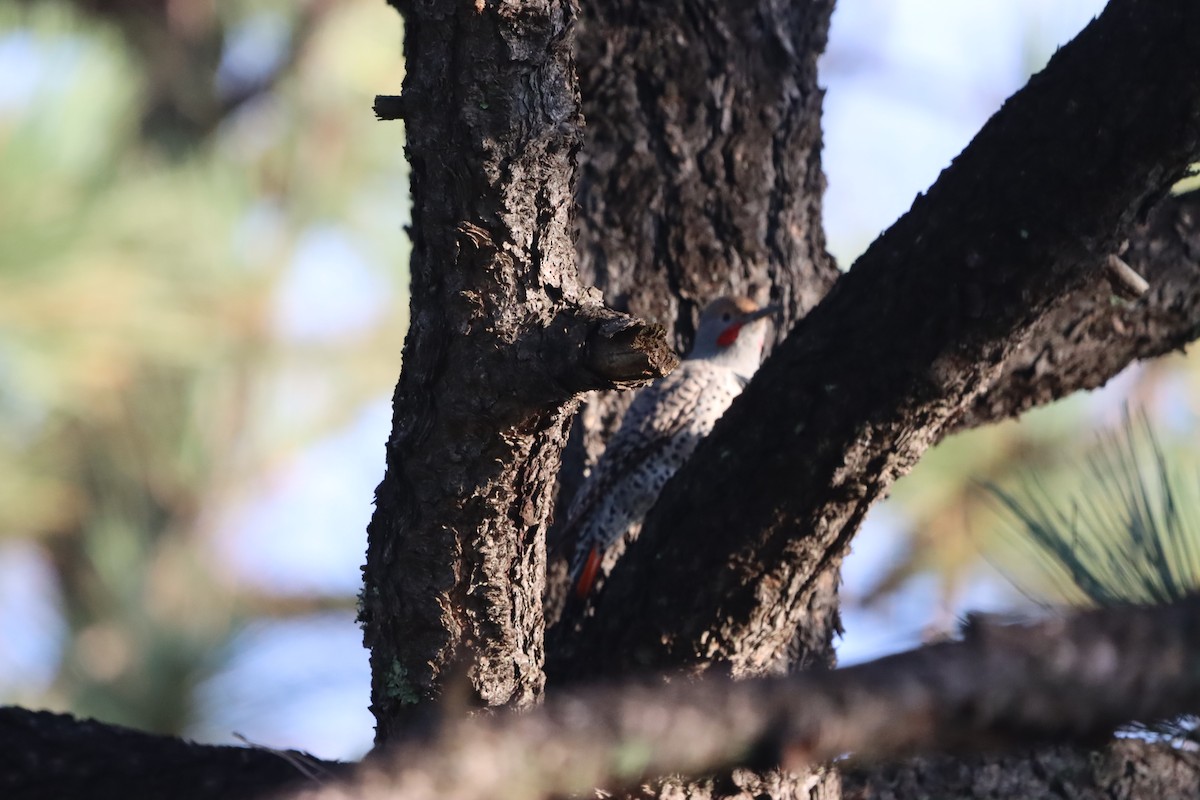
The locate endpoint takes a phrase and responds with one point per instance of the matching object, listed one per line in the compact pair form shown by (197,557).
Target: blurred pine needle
(1125,533)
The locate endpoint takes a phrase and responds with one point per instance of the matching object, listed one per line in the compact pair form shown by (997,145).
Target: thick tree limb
(1073,679)
(903,342)
(1088,338)
(1126,768)
(58,757)
(1002,687)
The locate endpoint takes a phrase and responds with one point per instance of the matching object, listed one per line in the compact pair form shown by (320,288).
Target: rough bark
(58,757)
(503,335)
(700,174)
(1127,768)
(902,343)
(1089,337)
(1003,687)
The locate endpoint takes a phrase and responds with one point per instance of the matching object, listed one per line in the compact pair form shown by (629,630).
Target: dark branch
(1066,680)
(1125,768)
(45,755)
(389,106)
(1088,338)
(1072,679)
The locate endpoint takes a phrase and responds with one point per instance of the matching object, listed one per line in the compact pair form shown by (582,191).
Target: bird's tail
(587,575)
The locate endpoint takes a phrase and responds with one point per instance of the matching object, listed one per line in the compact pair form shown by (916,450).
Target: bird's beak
(766,311)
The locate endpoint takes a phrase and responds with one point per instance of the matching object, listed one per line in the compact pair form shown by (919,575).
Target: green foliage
(146,385)
(1127,530)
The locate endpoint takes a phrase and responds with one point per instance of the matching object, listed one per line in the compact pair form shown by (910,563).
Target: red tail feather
(587,578)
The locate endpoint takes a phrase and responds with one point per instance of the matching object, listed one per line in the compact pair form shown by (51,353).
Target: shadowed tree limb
(736,550)
(1129,768)
(1071,679)
(1088,338)
(59,757)
(1064,680)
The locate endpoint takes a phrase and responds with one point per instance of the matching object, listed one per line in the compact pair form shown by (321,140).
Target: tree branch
(44,755)
(1128,768)
(1088,338)
(1064,680)
(907,339)
(1070,679)
(1073,679)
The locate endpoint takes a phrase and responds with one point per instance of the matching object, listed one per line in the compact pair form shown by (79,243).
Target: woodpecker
(661,430)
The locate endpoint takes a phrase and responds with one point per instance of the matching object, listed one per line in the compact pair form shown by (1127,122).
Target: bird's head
(732,332)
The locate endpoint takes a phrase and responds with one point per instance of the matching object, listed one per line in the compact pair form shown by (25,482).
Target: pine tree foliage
(1126,531)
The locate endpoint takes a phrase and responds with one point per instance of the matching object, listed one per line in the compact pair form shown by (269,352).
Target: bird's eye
(726,317)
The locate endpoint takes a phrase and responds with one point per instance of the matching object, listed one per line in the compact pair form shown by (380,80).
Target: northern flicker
(661,430)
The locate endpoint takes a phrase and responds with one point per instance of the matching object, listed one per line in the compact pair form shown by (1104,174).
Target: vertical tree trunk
(701,167)
(503,336)
(700,175)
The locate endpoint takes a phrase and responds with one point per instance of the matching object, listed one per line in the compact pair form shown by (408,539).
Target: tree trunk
(503,336)
(700,176)
(700,173)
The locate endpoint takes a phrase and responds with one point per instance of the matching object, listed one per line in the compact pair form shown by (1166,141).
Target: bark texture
(1002,687)
(700,174)
(1089,336)
(503,335)
(739,547)
(47,756)
(1126,768)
